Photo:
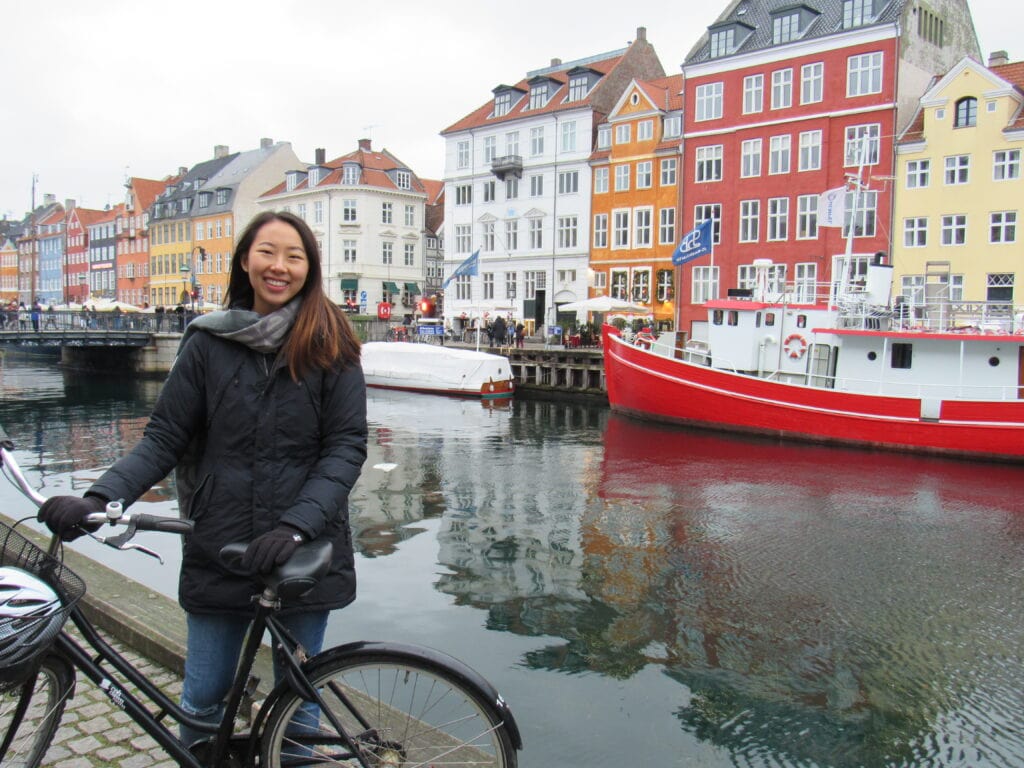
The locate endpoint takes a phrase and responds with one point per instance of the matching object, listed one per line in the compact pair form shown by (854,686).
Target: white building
(367,210)
(518,184)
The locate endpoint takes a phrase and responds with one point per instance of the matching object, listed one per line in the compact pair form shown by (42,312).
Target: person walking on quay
(520,335)
(498,331)
(263,419)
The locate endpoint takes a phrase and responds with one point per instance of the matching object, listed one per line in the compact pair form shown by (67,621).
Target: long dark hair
(322,336)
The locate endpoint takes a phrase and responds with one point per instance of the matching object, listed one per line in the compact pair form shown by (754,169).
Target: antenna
(368,129)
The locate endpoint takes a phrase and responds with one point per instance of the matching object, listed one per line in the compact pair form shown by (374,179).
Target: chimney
(321,155)
(182,170)
(266,143)
(49,198)
(998,58)
(219,151)
(641,34)
(364,144)
(69,204)
(556,62)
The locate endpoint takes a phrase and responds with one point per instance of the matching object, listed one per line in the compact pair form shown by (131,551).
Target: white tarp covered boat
(436,369)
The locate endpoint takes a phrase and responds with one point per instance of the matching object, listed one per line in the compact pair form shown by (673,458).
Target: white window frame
(753,94)
(708,163)
(709,101)
(807,217)
(780,153)
(1005,164)
(643,227)
(782,88)
(812,82)
(666,226)
(953,230)
(750,158)
(918,173)
(601,180)
(750,221)
(777,219)
(600,230)
(644,174)
(810,151)
(915,232)
(864,74)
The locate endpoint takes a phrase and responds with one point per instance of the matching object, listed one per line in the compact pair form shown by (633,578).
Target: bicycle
(371,704)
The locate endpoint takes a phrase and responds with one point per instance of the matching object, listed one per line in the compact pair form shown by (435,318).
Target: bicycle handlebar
(142,522)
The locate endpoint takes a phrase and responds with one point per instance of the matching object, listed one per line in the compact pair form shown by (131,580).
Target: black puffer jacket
(269,450)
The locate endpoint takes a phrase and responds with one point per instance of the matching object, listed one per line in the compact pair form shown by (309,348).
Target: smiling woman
(277,266)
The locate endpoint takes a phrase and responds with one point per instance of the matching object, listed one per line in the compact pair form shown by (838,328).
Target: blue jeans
(211,659)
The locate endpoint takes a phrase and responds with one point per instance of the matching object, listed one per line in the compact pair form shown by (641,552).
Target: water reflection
(650,596)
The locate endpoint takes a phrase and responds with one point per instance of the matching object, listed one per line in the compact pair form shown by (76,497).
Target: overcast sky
(94,91)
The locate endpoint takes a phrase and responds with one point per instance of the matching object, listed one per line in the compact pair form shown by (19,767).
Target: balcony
(507,164)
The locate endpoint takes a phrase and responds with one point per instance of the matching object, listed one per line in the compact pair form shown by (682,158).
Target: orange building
(8,270)
(132,235)
(636,220)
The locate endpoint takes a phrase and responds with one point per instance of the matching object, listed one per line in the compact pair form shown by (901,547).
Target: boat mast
(857,184)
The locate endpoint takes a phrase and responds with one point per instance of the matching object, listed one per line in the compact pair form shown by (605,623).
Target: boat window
(872,355)
(716,317)
(993,361)
(801,321)
(769,319)
(902,353)
(734,317)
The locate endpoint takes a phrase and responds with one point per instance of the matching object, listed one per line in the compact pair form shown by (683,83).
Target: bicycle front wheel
(30,713)
(399,711)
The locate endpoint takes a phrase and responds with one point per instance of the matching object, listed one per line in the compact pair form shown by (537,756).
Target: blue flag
(470,266)
(695,243)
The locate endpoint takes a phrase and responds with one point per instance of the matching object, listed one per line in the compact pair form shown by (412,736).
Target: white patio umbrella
(604,304)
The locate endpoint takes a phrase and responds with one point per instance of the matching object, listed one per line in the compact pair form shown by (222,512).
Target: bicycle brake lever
(143,550)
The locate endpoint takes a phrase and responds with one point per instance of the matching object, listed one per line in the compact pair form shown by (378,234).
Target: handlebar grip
(164,524)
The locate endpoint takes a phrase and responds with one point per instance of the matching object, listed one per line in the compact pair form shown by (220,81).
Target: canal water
(645,596)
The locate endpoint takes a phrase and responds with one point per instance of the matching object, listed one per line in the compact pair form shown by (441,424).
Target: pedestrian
(520,335)
(37,315)
(263,419)
(511,332)
(498,331)
(51,318)
(159,312)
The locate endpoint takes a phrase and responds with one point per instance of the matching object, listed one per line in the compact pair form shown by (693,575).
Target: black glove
(63,515)
(273,548)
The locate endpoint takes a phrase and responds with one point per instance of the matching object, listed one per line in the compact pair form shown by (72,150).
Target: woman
(263,417)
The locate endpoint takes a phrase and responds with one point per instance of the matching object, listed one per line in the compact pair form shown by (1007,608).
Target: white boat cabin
(854,339)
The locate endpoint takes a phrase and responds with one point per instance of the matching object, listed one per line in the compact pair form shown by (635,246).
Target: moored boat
(852,367)
(436,369)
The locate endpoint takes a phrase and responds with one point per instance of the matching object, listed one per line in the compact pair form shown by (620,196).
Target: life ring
(795,346)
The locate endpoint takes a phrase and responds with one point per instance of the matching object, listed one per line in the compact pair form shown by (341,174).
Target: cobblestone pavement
(93,732)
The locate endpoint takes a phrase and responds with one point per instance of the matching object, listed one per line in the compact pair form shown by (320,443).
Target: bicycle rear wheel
(401,712)
(30,713)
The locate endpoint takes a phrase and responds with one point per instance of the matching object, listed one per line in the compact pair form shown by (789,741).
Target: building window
(778,218)
(966,113)
(502,104)
(410,216)
(954,229)
(620,284)
(722,42)
(621,178)
(403,180)
(577,88)
(864,74)
(864,225)
(665,289)
(667,226)
(463,288)
(750,158)
(410,255)
(348,251)
(537,186)
(785,28)
(1000,287)
(807,217)
(511,187)
(569,136)
(318,212)
(487,236)
(386,211)
(672,126)
(753,94)
(750,221)
(709,101)
(645,130)
(1003,227)
(711,211)
(958,169)
(812,83)
(348,211)
(810,151)
(704,284)
(536,234)
(511,235)
(915,232)
(779,154)
(463,238)
(930,27)
(668,172)
(567,231)
(601,230)
(387,253)
(489,191)
(488,284)
(917,173)
(568,182)
(620,229)
(644,175)
(622,133)
(1006,164)
(856,12)
(538,95)
(537,141)
(642,226)
(350,174)
(510,285)
(600,180)
(709,163)
(782,88)
(641,285)
(463,194)
(862,140)
(490,148)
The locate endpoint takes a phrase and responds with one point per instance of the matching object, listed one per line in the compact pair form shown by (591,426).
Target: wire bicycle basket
(19,552)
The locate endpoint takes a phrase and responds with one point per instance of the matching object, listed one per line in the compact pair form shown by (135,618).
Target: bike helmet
(31,615)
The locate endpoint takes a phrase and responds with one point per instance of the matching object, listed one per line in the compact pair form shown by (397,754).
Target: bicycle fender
(465,674)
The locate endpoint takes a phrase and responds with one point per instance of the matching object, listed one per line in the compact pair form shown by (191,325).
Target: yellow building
(959,191)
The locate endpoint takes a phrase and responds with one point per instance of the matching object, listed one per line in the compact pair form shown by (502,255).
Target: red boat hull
(655,387)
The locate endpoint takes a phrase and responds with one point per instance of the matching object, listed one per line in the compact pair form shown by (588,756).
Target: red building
(76,262)
(780,102)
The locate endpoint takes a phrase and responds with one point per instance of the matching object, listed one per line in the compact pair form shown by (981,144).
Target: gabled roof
(87,216)
(825,18)
(374,172)
(146,190)
(54,216)
(434,189)
(484,114)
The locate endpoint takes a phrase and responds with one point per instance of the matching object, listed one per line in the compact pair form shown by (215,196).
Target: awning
(390,287)
(413,289)
(350,283)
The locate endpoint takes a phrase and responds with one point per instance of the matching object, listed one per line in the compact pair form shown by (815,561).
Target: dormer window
(315,174)
(350,174)
(403,180)
(292,179)
(222,196)
(538,95)
(672,126)
(578,88)
(966,112)
(785,28)
(604,137)
(204,199)
(502,103)
(857,13)
(727,38)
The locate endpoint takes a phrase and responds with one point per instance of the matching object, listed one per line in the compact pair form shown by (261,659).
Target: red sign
(384,311)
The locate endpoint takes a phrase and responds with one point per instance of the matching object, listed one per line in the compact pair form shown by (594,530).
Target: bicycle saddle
(294,578)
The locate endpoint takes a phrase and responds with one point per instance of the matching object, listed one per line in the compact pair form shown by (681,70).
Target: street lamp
(195,286)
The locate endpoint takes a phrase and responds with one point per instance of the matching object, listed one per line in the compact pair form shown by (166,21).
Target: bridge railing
(22,321)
